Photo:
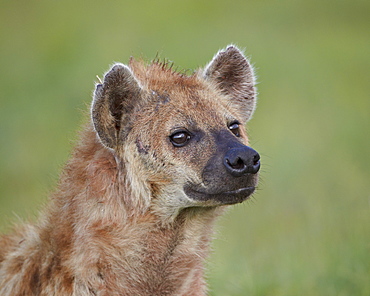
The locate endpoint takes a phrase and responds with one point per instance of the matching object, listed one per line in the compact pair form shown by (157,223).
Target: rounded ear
(113,102)
(233,75)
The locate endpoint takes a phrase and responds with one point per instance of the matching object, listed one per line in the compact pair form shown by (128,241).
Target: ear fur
(113,102)
(233,75)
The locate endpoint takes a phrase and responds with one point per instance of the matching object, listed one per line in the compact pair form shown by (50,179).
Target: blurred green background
(306,231)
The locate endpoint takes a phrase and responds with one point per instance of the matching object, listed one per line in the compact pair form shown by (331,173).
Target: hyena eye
(234,128)
(180,139)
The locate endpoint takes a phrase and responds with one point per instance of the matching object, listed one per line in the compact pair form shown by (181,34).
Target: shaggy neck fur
(92,242)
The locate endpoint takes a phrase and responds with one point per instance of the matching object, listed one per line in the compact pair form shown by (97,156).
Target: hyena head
(180,140)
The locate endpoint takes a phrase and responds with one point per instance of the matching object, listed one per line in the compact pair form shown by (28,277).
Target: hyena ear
(232,74)
(113,102)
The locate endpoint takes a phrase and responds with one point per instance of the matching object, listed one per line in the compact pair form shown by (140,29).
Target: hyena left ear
(232,74)
(113,102)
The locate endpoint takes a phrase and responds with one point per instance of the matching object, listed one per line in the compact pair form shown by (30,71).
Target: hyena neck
(103,240)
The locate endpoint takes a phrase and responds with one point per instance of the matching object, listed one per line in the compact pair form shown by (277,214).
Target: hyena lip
(227,197)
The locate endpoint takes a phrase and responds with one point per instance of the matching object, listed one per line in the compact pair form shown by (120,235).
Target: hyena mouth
(227,197)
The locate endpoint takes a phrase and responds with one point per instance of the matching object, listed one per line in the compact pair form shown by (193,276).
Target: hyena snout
(241,160)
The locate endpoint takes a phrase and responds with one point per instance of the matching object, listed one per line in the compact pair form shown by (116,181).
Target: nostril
(240,164)
(236,164)
(256,164)
(256,159)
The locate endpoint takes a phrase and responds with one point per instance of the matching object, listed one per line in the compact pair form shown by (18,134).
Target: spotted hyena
(164,154)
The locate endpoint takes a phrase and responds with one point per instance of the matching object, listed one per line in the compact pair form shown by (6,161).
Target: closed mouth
(226,197)
(241,190)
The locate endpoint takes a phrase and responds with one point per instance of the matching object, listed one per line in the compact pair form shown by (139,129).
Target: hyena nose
(242,160)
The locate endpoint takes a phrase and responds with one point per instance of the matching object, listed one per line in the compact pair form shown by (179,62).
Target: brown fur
(119,222)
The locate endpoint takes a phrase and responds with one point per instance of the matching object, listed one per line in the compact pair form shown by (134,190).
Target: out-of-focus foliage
(306,231)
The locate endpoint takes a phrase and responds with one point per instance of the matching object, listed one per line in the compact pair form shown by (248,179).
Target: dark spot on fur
(54,266)
(162,99)
(92,291)
(100,275)
(35,283)
(141,148)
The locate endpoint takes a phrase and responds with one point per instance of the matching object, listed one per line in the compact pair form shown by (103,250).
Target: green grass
(306,232)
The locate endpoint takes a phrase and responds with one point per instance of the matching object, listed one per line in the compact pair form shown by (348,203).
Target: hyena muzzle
(230,174)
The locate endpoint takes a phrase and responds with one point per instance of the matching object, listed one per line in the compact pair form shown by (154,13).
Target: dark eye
(234,127)
(180,139)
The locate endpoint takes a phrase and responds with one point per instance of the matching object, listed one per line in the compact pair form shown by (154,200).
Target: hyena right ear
(232,74)
(113,102)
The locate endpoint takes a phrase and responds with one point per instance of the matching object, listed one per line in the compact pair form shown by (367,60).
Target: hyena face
(181,139)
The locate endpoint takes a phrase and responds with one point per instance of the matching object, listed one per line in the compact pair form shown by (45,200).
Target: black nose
(242,160)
